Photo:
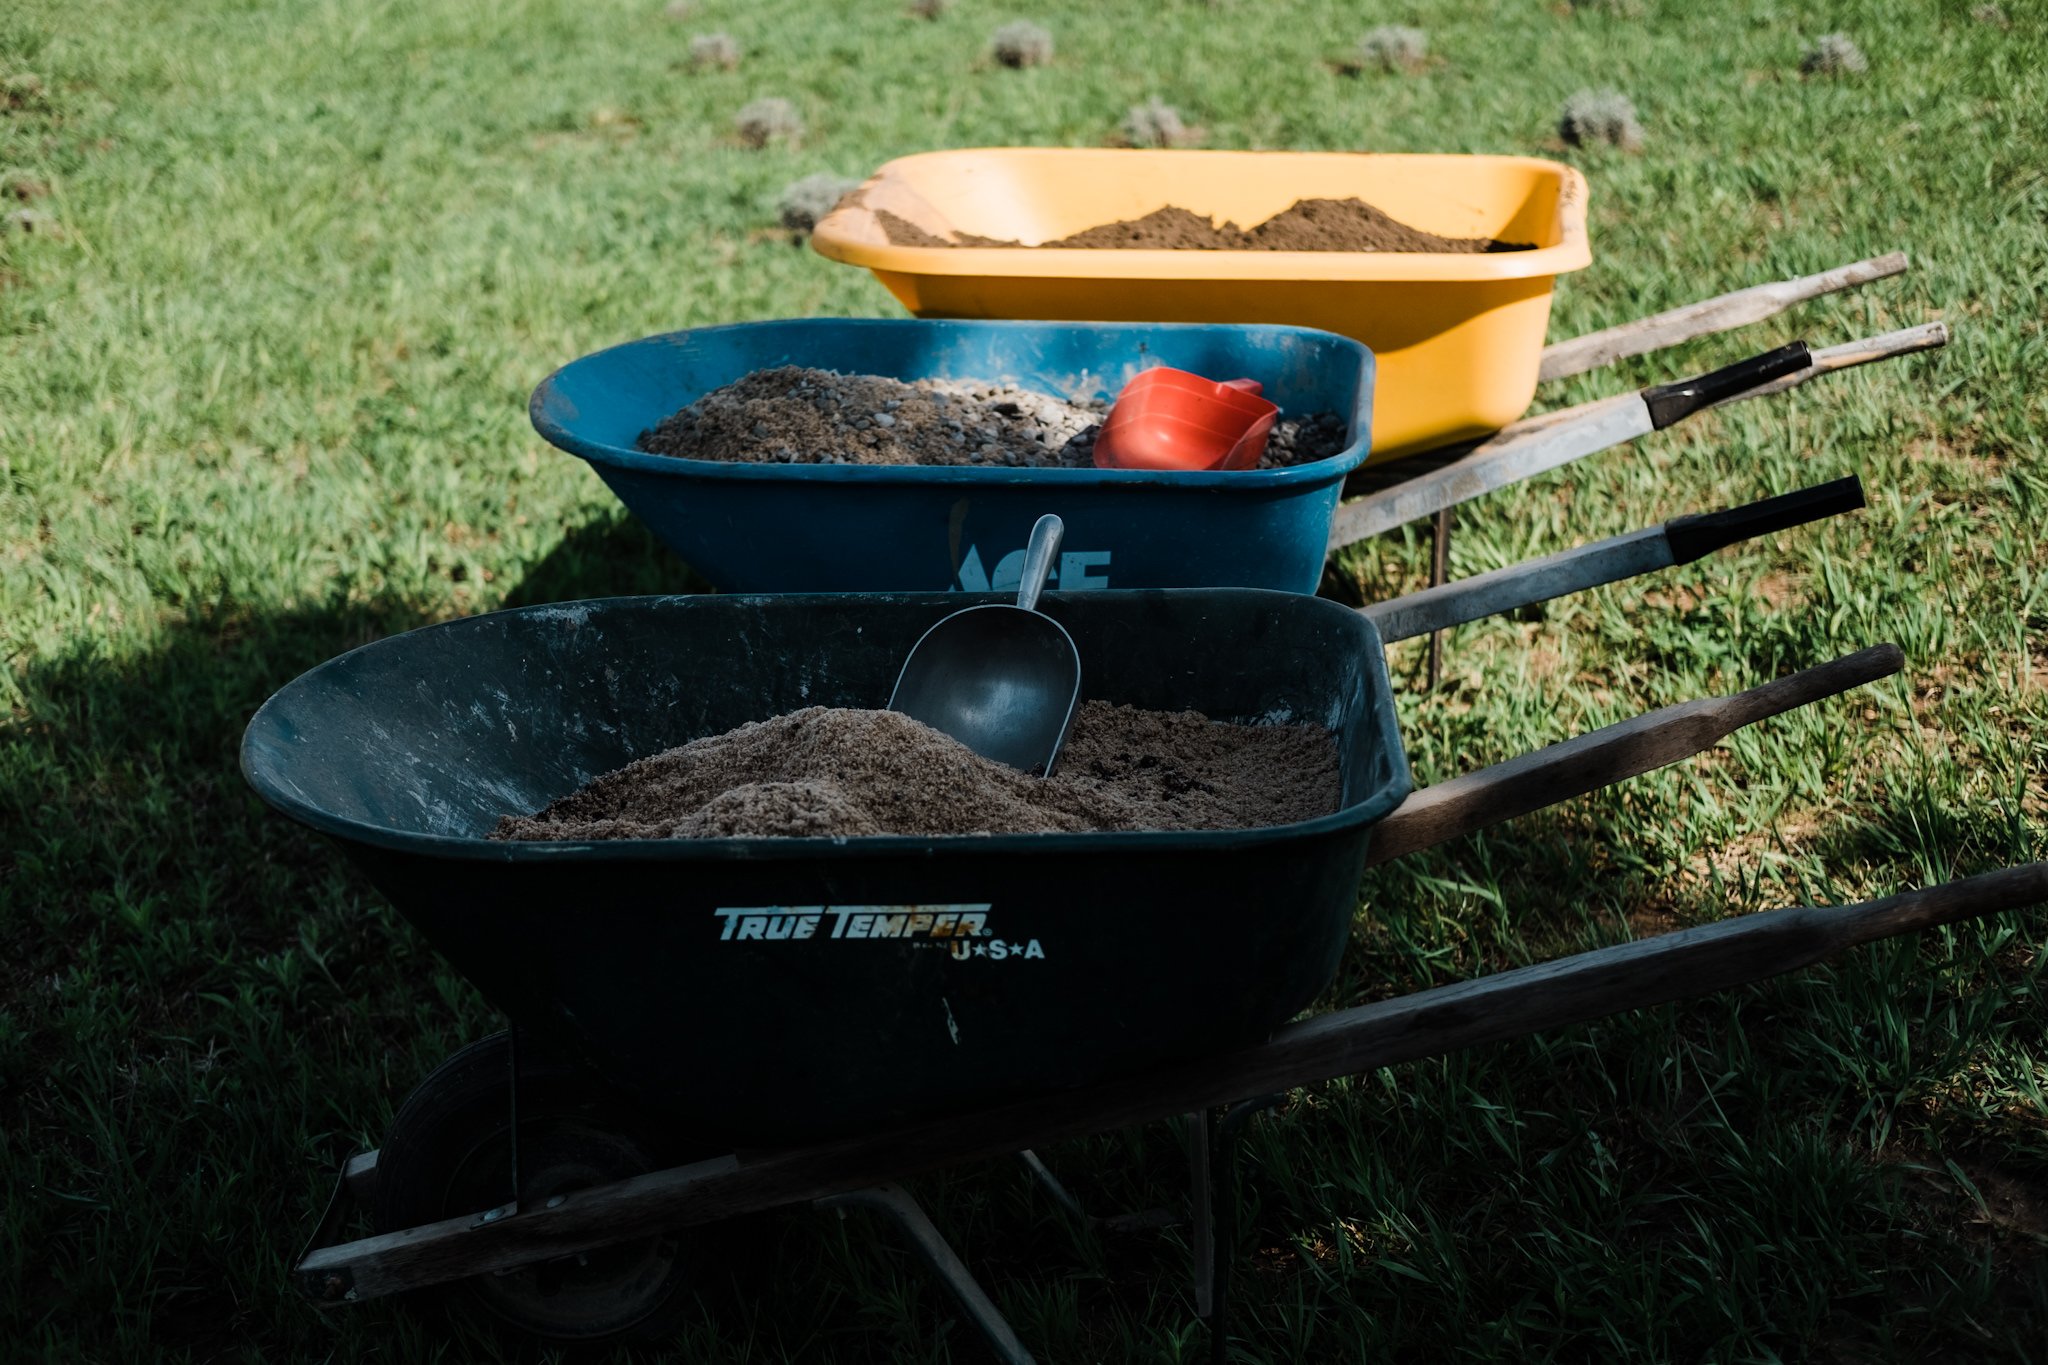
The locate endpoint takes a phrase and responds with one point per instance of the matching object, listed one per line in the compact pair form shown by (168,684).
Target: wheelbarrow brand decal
(1077,571)
(853,921)
(961,928)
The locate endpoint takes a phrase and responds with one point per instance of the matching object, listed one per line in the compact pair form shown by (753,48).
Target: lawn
(265,348)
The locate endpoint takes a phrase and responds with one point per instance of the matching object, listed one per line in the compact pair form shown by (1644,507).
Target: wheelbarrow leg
(1137,1220)
(1050,1183)
(1439,574)
(512,1093)
(1202,1239)
(904,1210)
(1228,1130)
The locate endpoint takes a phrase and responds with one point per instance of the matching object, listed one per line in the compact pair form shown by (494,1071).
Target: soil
(797,415)
(902,232)
(1307,225)
(839,772)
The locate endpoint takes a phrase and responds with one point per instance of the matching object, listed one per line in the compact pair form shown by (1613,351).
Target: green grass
(262,399)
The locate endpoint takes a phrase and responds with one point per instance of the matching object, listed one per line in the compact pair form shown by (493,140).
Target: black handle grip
(1670,403)
(1692,537)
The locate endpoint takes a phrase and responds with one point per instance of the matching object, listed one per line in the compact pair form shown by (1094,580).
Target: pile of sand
(830,771)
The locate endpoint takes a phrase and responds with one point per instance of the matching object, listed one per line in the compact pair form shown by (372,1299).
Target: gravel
(798,415)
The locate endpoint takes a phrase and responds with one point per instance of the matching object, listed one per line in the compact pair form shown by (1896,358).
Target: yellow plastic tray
(1457,337)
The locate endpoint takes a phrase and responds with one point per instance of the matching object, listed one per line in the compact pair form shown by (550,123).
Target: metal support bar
(1228,1130)
(512,1133)
(1439,574)
(1202,1240)
(1050,1183)
(336,1285)
(896,1202)
(359,1173)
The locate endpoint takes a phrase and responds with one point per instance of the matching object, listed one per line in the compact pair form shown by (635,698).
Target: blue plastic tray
(847,528)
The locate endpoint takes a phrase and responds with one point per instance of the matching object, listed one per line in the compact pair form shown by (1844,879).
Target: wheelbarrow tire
(447,1154)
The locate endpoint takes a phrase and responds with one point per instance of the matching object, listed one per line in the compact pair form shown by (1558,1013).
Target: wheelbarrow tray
(764,991)
(752,527)
(1459,335)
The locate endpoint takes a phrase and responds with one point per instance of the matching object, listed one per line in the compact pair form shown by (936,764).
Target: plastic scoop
(1170,419)
(1002,680)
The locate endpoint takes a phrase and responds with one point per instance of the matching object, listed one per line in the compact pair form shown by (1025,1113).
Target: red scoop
(1170,419)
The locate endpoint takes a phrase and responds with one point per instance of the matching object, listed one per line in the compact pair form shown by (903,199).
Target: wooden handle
(1628,976)
(1475,801)
(1535,445)
(1431,1023)
(1928,336)
(1721,314)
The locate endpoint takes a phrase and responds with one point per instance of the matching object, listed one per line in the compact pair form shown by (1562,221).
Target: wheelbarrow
(756,527)
(1459,337)
(980,967)
(930,999)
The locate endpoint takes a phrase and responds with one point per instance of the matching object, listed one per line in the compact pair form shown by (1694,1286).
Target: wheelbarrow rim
(1379,713)
(548,402)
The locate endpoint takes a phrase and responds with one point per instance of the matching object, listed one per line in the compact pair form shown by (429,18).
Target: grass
(262,399)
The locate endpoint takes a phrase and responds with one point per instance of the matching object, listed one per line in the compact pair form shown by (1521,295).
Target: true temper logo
(853,921)
(1077,571)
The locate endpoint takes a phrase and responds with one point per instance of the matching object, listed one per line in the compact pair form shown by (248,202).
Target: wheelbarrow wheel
(448,1153)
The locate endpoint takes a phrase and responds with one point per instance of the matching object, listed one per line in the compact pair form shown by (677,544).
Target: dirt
(840,772)
(1307,225)
(797,415)
(902,232)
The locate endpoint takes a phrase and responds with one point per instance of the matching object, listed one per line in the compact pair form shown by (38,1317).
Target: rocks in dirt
(798,415)
(1306,225)
(1593,118)
(827,771)
(804,202)
(1021,44)
(1303,440)
(772,119)
(1833,54)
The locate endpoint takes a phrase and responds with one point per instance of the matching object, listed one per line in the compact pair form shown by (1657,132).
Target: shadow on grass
(199,1003)
(611,556)
(203,1010)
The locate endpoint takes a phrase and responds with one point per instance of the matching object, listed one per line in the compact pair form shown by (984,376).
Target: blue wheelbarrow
(901,528)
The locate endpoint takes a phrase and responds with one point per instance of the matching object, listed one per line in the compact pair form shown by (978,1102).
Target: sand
(829,771)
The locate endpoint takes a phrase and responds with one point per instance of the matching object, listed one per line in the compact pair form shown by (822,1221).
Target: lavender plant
(1021,44)
(772,119)
(1594,118)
